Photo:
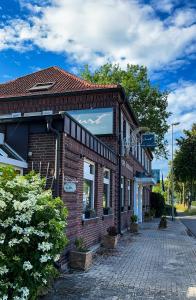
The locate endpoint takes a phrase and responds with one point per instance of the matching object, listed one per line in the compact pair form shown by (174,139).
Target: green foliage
(32,234)
(147,101)
(185,157)
(157,203)
(133,219)
(80,245)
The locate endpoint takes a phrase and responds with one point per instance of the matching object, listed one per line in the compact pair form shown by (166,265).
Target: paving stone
(153,265)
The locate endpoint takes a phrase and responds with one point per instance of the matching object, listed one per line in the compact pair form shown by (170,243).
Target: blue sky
(70,33)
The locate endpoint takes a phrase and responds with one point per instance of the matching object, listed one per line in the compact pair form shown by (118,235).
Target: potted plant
(107,211)
(147,216)
(110,240)
(133,224)
(89,213)
(163,222)
(81,257)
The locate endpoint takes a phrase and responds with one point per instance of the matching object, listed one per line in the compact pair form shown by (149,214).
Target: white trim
(145,180)
(107,182)
(87,175)
(3,153)
(13,162)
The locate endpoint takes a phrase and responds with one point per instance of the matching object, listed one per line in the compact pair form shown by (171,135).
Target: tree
(185,160)
(147,101)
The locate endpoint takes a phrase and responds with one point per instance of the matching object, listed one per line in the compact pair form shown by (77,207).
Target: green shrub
(168,210)
(32,234)
(157,203)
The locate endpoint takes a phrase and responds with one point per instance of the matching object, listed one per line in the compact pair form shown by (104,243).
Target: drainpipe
(57,155)
(119,168)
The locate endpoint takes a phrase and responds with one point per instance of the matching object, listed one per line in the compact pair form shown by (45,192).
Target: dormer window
(41,86)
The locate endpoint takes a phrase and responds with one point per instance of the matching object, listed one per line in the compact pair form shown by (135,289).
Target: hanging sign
(70,187)
(148,140)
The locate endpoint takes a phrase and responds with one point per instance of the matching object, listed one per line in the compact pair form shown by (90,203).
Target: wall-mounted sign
(70,187)
(148,140)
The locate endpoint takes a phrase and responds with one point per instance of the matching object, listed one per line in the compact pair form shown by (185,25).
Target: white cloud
(97,31)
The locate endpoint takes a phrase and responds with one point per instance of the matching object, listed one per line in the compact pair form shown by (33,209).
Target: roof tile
(64,82)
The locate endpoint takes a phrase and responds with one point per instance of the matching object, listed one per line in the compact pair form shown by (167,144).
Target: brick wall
(93,229)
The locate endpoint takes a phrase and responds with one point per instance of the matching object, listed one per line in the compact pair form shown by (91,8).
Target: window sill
(90,220)
(107,216)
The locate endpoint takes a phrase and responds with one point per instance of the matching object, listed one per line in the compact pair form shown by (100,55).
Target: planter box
(89,214)
(107,211)
(80,260)
(110,242)
(134,227)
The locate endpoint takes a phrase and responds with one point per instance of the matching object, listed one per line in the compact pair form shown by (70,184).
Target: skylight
(41,86)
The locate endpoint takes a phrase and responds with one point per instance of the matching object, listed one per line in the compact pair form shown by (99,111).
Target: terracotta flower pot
(110,242)
(134,227)
(80,260)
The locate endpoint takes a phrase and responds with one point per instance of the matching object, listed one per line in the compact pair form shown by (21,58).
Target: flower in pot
(110,240)
(133,224)
(163,222)
(80,258)
(147,216)
(107,210)
(89,213)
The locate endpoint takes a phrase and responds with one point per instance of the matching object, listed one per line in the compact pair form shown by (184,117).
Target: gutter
(57,154)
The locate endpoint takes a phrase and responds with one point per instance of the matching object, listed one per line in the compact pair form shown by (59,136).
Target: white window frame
(129,192)
(87,175)
(107,181)
(122,186)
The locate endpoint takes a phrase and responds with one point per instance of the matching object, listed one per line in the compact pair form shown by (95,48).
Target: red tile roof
(64,82)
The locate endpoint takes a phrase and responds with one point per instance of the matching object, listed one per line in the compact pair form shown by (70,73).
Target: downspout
(119,168)
(57,155)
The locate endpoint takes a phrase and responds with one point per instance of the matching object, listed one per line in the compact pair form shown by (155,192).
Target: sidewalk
(155,264)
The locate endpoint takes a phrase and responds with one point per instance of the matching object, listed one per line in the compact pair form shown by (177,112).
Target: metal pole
(172,176)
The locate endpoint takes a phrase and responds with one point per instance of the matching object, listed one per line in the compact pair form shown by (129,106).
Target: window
(96,120)
(41,86)
(122,191)
(88,185)
(129,187)
(106,188)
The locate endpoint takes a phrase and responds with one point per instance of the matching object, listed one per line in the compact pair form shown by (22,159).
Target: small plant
(90,213)
(133,219)
(152,212)
(112,231)
(163,222)
(80,245)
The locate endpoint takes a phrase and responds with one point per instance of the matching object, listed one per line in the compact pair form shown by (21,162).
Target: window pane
(87,194)
(105,195)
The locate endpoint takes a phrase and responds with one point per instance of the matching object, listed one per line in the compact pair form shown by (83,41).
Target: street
(190,223)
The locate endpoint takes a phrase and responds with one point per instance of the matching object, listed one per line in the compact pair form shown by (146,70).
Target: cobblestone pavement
(154,264)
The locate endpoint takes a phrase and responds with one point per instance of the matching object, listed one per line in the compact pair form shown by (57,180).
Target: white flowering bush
(32,234)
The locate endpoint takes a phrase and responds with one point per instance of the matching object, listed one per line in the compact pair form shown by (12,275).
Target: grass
(191,212)
(181,208)
(193,203)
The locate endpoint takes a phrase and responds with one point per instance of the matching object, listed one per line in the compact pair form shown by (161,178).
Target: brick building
(84,139)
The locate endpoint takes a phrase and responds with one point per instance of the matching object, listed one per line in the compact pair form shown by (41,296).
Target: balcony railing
(85,137)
